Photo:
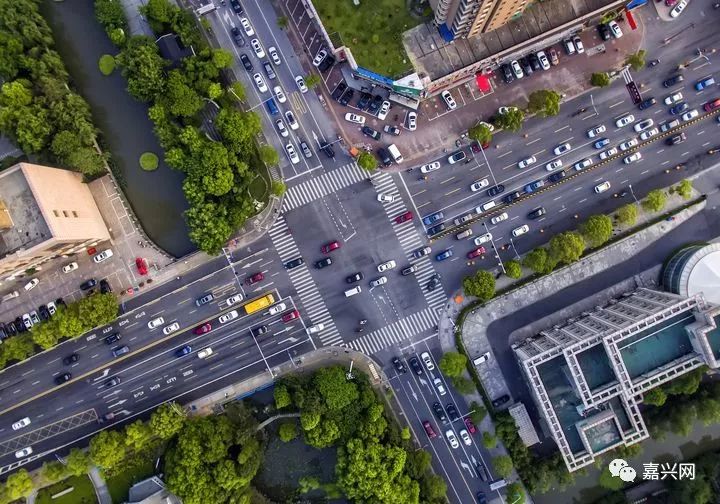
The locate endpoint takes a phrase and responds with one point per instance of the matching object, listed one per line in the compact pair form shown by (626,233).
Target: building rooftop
(23,225)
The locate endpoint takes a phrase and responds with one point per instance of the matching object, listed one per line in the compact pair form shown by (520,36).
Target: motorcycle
(653,62)
(363,322)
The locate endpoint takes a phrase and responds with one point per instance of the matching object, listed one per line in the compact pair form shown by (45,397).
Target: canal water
(156,197)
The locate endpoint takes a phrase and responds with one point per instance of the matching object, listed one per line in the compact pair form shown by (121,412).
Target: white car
(384,109)
(489,126)
(274,55)
(688,116)
(257,47)
(544,63)
(260,83)
(629,144)
(484,238)
(102,256)
(24,452)
(52,308)
(578,44)
(625,120)
(583,164)
(315,329)
(427,168)
(602,187)
(439,386)
(465,437)
(27,321)
(301,84)
(482,359)
(279,94)
(156,322)
(205,353)
(643,125)
(450,435)
(233,300)
(499,218)
(554,165)
(70,267)
(561,149)
(615,29)
(171,328)
(479,184)
(354,118)
(385,198)
(593,132)
(290,118)
(608,153)
(278,308)
(281,128)
(677,10)
(23,422)
(520,230)
(294,158)
(378,281)
(386,266)
(449,100)
(247,27)
(31,284)
(517,70)
(527,162)
(231,315)
(412,121)
(319,57)
(635,156)
(425,356)
(645,135)
(673,98)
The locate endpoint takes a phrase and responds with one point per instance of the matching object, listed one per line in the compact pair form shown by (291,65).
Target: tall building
(588,375)
(44,213)
(468,18)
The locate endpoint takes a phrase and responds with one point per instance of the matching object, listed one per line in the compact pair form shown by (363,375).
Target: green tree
(607,480)
(238,129)
(179,97)
(480,285)
(627,214)
(681,419)
(708,411)
(308,484)
(269,155)
(489,441)
(367,161)
(287,431)
(686,384)
(98,309)
(463,385)
(481,134)
(45,335)
(566,247)
(417,464)
(433,488)
(167,420)
(110,14)
(209,226)
(655,200)
(334,387)
(537,260)
(278,188)
(655,397)
(282,21)
(515,494)
(324,434)
(544,103)
(77,462)
(282,397)
(143,68)
(597,230)
(636,60)
(405,434)
(18,484)
(600,79)
(237,90)
(513,269)
(503,465)
(53,471)
(107,449)
(452,364)
(684,189)
(477,413)
(138,435)
(312,80)
(512,120)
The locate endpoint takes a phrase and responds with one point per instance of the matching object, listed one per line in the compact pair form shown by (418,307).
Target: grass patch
(120,483)
(148,161)
(259,188)
(83,492)
(106,64)
(373,31)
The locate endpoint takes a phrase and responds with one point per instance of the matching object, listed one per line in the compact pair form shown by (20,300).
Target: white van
(465,234)
(353,291)
(11,295)
(485,207)
(395,153)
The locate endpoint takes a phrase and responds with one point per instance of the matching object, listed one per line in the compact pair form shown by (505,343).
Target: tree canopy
(544,102)
(511,120)
(480,133)
(597,230)
(480,285)
(655,200)
(452,364)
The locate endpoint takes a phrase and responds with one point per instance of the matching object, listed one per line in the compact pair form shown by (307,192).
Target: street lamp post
(497,254)
(517,256)
(633,195)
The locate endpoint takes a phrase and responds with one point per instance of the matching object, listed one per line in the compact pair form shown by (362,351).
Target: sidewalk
(101,489)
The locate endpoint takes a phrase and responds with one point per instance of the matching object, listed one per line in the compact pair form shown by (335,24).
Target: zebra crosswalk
(312,302)
(396,332)
(319,187)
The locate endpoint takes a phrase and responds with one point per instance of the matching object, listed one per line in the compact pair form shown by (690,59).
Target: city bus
(259,303)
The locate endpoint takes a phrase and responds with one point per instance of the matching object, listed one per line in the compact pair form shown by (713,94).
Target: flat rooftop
(28,225)
(595,367)
(713,338)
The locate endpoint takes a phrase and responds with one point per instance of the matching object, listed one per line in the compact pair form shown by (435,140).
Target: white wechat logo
(619,468)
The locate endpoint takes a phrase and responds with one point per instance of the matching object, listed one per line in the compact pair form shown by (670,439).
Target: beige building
(468,18)
(44,213)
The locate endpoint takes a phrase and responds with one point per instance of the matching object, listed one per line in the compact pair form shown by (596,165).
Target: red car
(476,253)
(326,249)
(257,277)
(290,316)
(428,428)
(141,265)
(712,105)
(470,426)
(205,328)
(403,217)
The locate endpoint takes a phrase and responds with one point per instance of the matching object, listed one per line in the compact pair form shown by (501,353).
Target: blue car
(705,83)
(679,108)
(433,218)
(601,143)
(444,255)
(534,186)
(183,351)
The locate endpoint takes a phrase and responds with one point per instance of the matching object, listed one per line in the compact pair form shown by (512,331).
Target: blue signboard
(635,3)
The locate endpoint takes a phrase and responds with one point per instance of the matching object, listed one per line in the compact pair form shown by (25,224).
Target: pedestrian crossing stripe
(397,332)
(319,187)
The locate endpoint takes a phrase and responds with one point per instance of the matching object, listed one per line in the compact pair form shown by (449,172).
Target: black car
(88,284)
(535,62)
(355,277)
(294,263)
(646,104)
(384,156)
(246,62)
(495,190)
(673,80)
(512,197)
(368,131)
(3,331)
(11,329)
(259,330)
(117,352)
(481,498)
(105,286)
(339,90)
(436,229)
(399,366)
(507,73)
(409,270)
(525,66)
(500,401)
(44,312)
(346,97)
(452,412)
(237,37)
(557,176)
(482,471)
(327,149)
(71,359)
(112,382)
(62,378)
(325,261)
(20,325)
(440,413)
(537,213)
(326,63)
(236,7)
(364,100)
(60,302)
(433,282)
(604,31)
(674,140)
(112,338)
(416,366)
(107,417)
(375,104)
